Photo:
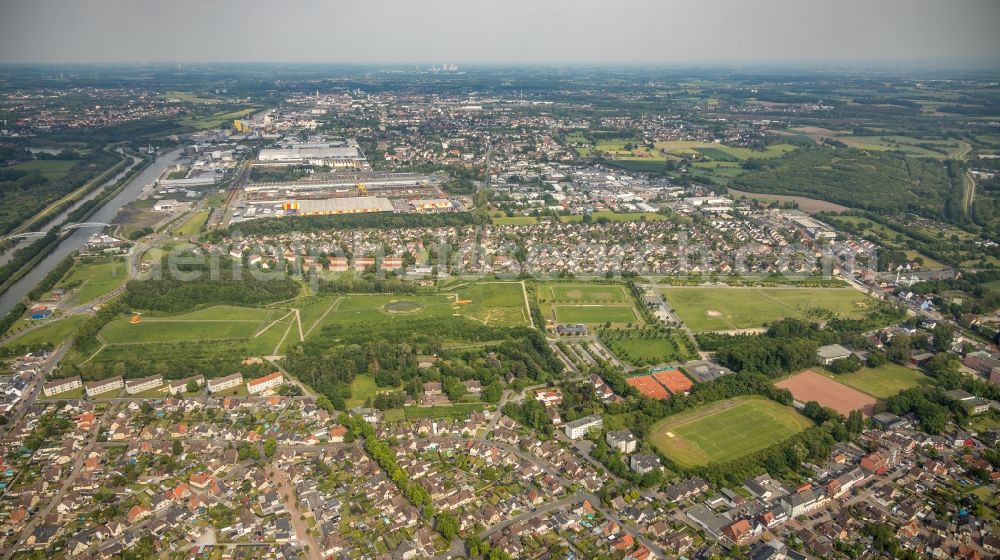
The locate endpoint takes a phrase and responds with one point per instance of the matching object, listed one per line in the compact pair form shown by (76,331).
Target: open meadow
(214,323)
(731,308)
(884,381)
(92,278)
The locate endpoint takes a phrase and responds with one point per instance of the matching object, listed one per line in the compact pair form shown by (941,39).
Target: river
(57,219)
(78,238)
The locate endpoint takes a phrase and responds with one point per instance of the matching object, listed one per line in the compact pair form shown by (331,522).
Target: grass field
(193,224)
(90,280)
(495,303)
(219,322)
(362,388)
(381,308)
(642,351)
(52,333)
(616,216)
(906,144)
(720,309)
(595,314)
(51,169)
(514,220)
(215,119)
(721,152)
(584,293)
(725,430)
(459,410)
(884,381)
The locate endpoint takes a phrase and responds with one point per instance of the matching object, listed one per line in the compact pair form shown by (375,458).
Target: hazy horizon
(547,32)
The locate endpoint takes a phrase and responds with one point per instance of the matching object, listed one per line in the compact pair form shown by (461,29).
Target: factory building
(347,205)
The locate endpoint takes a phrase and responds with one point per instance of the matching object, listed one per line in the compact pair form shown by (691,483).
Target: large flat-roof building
(579,428)
(104,386)
(315,153)
(133,386)
(831,353)
(180,385)
(223,383)
(261,384)
(57,386)
(346,205)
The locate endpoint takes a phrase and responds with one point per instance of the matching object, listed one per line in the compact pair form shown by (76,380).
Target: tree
(447,525)
(192,386)
(177,448)
(270,446)
(492,392)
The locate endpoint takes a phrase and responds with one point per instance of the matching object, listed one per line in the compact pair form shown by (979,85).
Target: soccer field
(595,314)
(584,293)
(723,309)
(725,430)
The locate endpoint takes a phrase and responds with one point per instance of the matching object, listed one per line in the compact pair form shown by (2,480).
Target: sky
(664,32)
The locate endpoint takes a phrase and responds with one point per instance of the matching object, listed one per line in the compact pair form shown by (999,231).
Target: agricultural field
(494,303)
(884,381)
(718,432)
(725,309)
(809,385)
(92,278)
(214,323)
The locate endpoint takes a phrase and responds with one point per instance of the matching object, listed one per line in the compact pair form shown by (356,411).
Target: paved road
(287,492)
(64,484)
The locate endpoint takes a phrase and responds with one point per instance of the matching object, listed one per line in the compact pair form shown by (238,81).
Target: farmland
(718,432)
(721,309)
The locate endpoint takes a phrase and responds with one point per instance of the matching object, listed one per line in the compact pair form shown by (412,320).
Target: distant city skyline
(516,31)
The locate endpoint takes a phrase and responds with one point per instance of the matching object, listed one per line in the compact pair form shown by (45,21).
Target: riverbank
(126,190)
